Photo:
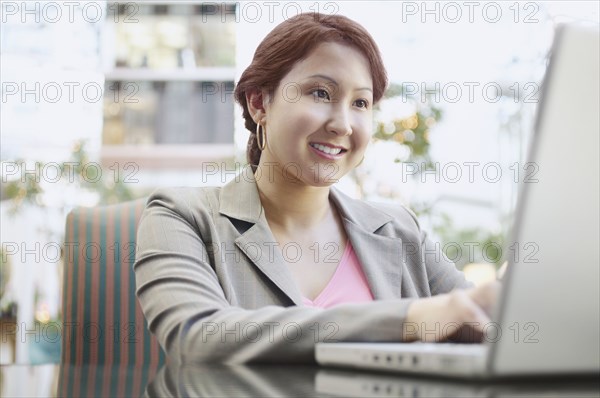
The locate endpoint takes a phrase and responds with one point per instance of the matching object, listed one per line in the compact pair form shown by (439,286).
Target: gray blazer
(214,285)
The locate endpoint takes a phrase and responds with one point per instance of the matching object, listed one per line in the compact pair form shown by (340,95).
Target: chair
(103,321)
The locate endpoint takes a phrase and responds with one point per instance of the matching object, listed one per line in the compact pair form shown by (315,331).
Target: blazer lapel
(259,244)
(381,256)
(240,199)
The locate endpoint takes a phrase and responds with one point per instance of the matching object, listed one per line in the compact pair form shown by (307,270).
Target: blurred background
(102,102)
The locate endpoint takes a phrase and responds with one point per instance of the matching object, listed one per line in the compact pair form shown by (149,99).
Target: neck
(291,205)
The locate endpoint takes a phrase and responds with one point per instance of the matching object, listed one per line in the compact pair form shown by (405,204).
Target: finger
(471,313)
(486,295)
(471,318)
(466,334)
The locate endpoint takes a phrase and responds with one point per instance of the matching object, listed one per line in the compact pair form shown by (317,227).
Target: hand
(486,295)
(459,316)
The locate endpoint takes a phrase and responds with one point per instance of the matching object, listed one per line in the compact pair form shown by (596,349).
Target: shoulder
(400,213)
(389,219)
(403,222)
(183,194)
(187,202)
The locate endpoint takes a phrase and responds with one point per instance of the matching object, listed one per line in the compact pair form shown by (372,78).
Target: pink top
(347,285)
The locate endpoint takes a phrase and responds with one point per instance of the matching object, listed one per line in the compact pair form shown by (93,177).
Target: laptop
(356,383)
(547,319)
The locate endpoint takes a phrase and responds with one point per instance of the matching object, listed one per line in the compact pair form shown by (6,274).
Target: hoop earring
(261,136)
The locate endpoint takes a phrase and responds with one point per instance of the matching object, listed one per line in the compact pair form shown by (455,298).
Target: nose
(339,122)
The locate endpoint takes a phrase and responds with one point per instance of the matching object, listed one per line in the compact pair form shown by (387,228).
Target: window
(169,81)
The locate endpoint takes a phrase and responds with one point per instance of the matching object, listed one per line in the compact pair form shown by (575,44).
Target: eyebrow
(336,83)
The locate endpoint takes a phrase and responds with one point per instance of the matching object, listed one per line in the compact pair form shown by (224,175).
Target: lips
(328,148)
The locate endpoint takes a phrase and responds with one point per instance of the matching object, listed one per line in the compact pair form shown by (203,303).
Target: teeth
(326,149)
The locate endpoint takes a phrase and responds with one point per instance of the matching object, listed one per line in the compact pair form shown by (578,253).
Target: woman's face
(322,105)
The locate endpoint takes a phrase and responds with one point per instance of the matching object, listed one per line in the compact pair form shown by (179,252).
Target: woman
(279,259)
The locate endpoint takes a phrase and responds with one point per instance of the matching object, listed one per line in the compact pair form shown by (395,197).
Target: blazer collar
(239,199)
(379,255)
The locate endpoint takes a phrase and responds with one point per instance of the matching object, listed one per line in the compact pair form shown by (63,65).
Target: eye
(365,103)
(319,91)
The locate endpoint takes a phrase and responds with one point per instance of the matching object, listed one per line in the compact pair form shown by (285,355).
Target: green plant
(412,132)
(469,245)
(74,171)
(7,304)
(4,271)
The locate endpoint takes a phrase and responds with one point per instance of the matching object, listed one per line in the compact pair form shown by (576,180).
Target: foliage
(470,245)
(74,171)
(412,132)
(4,271)
(110,191)
(8,307)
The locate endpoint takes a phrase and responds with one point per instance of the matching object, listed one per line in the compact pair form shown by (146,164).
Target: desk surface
(261,380)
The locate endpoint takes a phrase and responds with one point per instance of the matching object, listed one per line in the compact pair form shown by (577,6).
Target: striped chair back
(103,321)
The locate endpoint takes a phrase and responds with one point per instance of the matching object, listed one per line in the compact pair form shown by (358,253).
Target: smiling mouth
(328,150)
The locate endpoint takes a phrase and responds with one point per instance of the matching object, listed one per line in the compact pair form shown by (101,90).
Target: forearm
(274,333)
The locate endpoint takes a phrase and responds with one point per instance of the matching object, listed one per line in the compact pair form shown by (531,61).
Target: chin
(322,184)
(325,175)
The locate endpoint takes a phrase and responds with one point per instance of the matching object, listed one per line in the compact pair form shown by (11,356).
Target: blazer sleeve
(442,274)
(427,264)
(186,308)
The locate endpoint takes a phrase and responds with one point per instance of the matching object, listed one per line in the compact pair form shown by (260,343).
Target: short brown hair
(292,41)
